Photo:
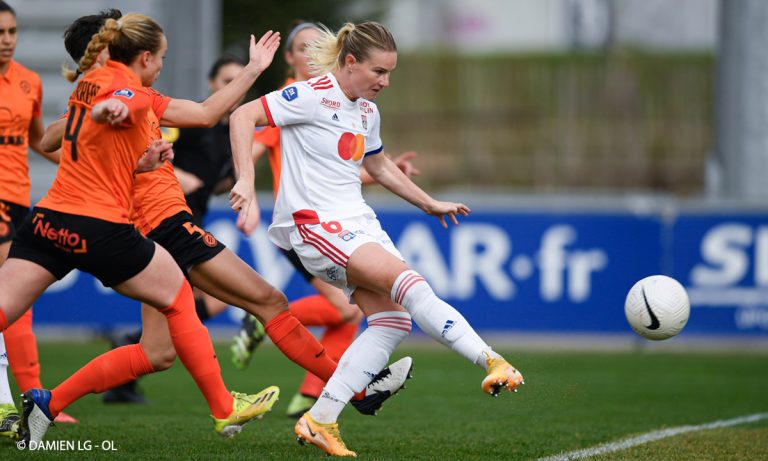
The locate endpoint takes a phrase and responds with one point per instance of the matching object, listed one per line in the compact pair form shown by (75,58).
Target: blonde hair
(328,53)
(126,38)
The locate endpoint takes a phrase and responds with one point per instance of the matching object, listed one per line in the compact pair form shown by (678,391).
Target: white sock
(361,362)
(438,319)
(5,388)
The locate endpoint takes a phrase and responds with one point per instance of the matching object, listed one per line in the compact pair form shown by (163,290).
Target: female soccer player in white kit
(329,126)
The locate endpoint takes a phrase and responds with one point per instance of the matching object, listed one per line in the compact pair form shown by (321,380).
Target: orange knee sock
(3,322)
(298,344)
(336,340)
(106,371)
(195,350)
(22,353)
(315,311)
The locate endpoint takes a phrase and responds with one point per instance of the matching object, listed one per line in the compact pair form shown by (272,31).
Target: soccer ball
(657,307)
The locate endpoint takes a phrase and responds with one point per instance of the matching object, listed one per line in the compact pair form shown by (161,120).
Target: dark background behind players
(203,159)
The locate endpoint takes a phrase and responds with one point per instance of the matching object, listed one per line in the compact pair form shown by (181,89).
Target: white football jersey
(323,139)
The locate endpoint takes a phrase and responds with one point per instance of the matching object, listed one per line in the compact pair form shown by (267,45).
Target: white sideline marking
(653,436)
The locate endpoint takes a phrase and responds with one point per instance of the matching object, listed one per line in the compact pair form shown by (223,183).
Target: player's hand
(403,162)
(189,183)
(262,52)
(441,209)
(159,152)
(248,219)
(112,111)
(241,196)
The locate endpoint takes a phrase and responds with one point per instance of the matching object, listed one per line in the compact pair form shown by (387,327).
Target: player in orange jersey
(160,212)
(111,137)
(330,308)
(21,127)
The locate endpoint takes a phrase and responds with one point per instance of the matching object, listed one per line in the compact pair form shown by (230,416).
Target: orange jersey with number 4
(21,95)
(96,175)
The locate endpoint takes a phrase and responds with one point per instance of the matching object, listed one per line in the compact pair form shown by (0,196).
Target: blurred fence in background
(553,122)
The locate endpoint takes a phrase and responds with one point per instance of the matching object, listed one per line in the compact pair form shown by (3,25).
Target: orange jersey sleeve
(96,174)
(21,95)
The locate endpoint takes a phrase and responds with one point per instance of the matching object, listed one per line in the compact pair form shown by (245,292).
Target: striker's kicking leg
(388,325)
(446,325)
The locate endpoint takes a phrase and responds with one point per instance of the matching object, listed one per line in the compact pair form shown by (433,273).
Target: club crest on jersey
(124,93)
(290,93)
(365,122)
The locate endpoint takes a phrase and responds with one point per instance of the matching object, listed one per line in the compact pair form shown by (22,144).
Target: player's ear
(350,60)
(145,57)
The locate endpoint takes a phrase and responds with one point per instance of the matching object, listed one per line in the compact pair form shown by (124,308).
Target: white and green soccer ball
(657,307)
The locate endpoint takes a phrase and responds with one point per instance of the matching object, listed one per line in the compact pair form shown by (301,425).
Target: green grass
(570,401)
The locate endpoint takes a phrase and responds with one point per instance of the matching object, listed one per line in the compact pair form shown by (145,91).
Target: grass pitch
(570,401)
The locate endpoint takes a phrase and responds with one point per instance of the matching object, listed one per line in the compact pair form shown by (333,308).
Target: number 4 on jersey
(70,134)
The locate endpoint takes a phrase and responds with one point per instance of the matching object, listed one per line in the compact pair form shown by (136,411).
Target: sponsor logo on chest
(330,104)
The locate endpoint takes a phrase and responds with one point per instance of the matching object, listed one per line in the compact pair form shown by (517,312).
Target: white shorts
(325,248)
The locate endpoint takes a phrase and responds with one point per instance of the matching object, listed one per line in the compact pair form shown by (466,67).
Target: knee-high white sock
(439,319)
(361,362)
(5,388)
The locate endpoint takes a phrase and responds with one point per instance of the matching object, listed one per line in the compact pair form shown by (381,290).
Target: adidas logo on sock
(448,325)
(369,374)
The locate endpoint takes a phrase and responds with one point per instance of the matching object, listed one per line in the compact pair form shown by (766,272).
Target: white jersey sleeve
(293,104)
(373,143)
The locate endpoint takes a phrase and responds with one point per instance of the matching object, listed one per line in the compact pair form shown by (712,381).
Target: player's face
(7,36)
(154,64)
(225,75)
(369,77)
(296,57)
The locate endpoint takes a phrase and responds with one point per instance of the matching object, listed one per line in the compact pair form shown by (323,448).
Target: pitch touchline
(653,436)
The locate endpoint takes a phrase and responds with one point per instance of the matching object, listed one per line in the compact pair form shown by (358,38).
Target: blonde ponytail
(327,53)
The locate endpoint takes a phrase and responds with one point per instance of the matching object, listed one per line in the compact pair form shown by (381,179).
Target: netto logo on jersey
(63,239)
(351,146)
(290,93)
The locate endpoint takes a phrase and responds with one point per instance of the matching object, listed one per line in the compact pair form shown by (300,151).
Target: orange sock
(3,322)
(336,340)
(21,345)
(315,311)
(106,371)
(298,344)
(195,350)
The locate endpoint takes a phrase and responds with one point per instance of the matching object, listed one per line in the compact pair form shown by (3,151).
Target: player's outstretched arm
(384,171)
(241,124)
(184,113)
(403,162)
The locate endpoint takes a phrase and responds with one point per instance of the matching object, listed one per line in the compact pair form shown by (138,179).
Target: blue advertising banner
(722,260)
(504,271)
(518,271)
